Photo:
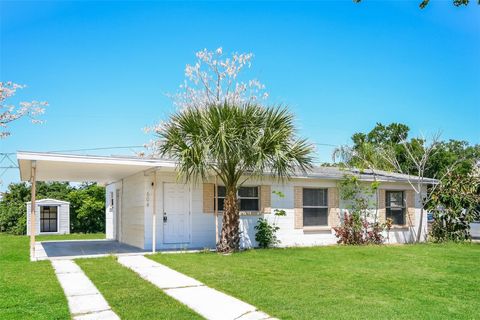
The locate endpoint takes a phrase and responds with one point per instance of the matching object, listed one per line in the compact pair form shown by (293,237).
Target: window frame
(239,199)
(325,190)
(49,219)
(388,206)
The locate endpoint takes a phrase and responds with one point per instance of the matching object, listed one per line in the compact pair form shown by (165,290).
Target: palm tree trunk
(230,238)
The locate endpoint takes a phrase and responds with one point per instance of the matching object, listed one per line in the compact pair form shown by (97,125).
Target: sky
(106,68)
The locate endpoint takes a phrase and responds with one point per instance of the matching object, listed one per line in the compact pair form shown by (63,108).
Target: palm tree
(234,142)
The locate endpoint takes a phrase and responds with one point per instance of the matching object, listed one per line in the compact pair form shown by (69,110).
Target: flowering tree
(12,112)
(215,79)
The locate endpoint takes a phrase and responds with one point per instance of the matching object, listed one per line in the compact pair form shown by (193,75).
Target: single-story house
(52,216)
(148,207)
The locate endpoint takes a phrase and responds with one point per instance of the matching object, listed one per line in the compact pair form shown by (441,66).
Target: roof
(104,169)
(68,167)
(49,201)
(337,173)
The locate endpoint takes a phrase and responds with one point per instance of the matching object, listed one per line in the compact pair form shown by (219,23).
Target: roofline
(49,200)
(49,156)
(377,175)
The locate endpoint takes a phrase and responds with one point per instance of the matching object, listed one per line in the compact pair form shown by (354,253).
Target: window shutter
(298,207)
(333,207)
(382,198)
(265,199)
(410,199)
(208,197)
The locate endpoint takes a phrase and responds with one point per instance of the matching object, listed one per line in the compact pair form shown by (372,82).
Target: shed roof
(49,201)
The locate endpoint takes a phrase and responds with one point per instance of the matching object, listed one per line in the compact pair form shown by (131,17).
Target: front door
(176,213)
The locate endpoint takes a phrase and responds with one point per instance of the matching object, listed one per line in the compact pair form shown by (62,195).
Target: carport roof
(67,167)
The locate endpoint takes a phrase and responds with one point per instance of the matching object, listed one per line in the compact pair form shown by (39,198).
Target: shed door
(176,213)
(48,219)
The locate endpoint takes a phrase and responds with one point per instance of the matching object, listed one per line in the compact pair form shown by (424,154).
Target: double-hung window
(247,197)
(315,207)
(395,207)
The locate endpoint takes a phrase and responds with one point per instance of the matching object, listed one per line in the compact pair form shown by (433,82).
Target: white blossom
(12,112)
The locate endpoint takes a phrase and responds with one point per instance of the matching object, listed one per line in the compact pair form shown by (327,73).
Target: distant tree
(87,205)
(424,3)
(363,152)
(87,208)
(13,209)
(455,204)
(10,112)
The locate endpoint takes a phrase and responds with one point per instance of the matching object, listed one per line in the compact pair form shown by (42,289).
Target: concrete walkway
(208,302)
(84,300)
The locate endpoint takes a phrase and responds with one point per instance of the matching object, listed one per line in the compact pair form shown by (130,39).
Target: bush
(266,234)
(356,231)
(454,204)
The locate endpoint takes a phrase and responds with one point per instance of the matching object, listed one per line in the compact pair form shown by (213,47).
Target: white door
(176,213)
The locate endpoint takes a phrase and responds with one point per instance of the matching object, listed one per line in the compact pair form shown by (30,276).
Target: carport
(41,166)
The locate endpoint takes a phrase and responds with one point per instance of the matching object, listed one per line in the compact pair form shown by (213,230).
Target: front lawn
(130,296)
(377,282)
(28,290)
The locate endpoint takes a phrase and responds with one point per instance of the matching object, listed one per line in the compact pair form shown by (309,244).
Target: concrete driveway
(71,249)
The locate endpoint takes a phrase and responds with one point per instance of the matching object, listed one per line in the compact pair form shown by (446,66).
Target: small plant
(356,230)
(266,234)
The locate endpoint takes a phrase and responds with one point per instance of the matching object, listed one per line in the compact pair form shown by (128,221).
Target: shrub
(266,234)
(356,231)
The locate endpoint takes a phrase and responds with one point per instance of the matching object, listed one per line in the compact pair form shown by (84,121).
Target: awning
(101,169)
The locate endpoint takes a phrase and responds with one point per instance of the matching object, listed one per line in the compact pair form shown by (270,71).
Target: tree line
(87,205)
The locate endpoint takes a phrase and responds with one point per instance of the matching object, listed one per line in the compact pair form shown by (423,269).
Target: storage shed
(53,216)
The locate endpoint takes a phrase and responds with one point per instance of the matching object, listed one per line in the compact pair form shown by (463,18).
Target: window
(315,207)
(395,207)
(247,197)
(48,219)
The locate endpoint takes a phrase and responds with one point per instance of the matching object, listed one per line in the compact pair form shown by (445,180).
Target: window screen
(395,207)
(315,207)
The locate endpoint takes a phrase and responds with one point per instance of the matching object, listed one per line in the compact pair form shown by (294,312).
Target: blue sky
(105,67)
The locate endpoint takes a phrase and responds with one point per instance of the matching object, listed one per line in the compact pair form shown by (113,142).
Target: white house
(147,206)
(52,216)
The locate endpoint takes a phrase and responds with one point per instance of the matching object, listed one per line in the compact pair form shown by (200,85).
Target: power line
(96,149)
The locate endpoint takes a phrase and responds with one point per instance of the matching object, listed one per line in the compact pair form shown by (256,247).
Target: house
(52,216)
(148,207)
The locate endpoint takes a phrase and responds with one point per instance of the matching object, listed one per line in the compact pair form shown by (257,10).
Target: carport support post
(33,208)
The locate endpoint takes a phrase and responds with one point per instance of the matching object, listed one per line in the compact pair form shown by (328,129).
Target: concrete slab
(102,315)
(66,266)
(84,299)
(87,304)
(207,302)
(54,250)
(76,284)
(158,274)
(210,303)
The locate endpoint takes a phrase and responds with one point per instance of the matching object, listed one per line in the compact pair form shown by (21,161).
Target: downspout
(33,219)
(154,213)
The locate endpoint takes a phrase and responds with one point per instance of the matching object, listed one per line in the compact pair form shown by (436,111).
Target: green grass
(130,296)
(28,290)
(376,282)
(72,236)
